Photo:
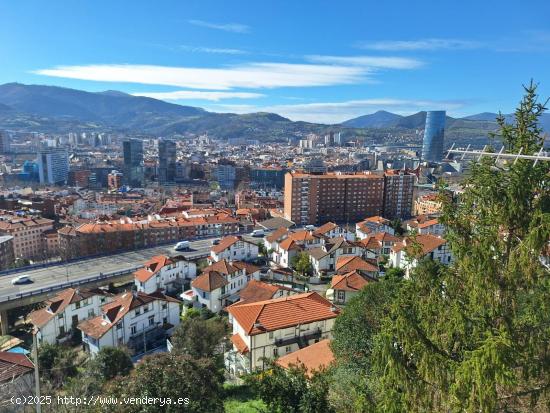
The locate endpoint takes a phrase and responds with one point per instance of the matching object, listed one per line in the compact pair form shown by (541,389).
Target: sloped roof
(259,317)
(323,229)
(152,267)
(209,281)
(427,242)
(277,234)
(351,281)
(13,365)
(314,357)
(353,263)
(259,291)
(239,343)
(226,242)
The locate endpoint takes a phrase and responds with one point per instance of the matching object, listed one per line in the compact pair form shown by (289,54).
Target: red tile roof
(316,357)
(13,365)
(239,343)
(278,313)
(226,243)
(353,263)
(151,267)
(209,281)
(259,291)
(351,281)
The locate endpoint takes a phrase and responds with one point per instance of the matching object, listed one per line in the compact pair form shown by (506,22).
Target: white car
(182,246)
(22,279)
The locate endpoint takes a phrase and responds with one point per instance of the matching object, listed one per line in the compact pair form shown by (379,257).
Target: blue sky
(321,61)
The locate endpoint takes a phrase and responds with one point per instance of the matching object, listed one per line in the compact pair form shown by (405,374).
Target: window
(341,295)
(288,349)
(91,313)
(165,320)
(145,309)
(60,316)
(61,330)
(271,334)
(133,329)
(151,320)
(138,312)
(275,352)
(119,325)
(164,306)
(77,305)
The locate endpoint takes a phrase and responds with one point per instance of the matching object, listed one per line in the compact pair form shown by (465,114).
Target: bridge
(87,272)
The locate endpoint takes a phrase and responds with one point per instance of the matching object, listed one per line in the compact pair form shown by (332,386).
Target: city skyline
(245,58)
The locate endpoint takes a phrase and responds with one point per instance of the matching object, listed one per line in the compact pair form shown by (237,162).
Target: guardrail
(117,252)
(69,284)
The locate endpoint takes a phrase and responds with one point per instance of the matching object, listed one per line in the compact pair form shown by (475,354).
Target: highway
(92,267)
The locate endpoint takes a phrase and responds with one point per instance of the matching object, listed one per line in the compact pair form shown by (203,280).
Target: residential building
(234,248)
(398,194)
(260,291)
(379,244)
(136,320)
(323,259)
(425,224)
(53,166)
(276,327)
(167,161)
(220,284)
(407,253)
(344,287)
(7,255)
(162,273)
(16,380)
(371,226)
(5,143)
(427,205)
(434,131)
(27,232)
(331,230)
(336,197)
(346,264)
(226,175)
(57,320)
(268,177)
(114,180)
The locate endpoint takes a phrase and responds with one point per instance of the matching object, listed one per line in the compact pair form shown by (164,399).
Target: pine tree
(475,336)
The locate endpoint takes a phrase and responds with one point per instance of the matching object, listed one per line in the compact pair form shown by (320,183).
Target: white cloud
(337,112)
(214,96)
(227,27)
(420,44)
(215,50)
(368,61)
(251,75)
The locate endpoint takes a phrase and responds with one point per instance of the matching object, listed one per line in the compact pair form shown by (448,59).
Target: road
(91,267)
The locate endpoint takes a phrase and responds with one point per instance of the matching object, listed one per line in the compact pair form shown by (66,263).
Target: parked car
(182,246)
(258,233)
(216,241)
(21,279)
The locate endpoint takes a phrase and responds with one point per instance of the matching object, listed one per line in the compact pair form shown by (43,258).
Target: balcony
(301,340)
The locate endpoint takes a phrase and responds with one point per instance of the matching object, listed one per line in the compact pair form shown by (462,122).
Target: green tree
(397,226)
(109,363)
(56,364)
(354,332)
(200,338)
(170,376)
(292,390)
(302,264)
(475,336)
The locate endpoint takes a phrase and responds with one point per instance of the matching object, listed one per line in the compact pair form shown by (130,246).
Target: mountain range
(59,110)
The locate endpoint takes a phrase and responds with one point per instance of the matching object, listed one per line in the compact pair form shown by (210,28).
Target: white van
(258,233)
(182,246)
(310,227)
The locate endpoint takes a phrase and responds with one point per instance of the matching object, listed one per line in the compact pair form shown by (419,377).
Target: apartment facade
(7,255)
(336,197)
(27,233)
(55,322)
(398,194)
(276,327)
(134,319)
(165,274)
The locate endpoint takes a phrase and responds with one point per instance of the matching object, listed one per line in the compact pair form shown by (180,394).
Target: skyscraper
(133,162)
(4,142)
(167,161)
(432,145)
(53,166)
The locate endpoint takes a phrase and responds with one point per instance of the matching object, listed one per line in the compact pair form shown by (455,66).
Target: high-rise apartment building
(434,131)
(316,199)
(7,256)
(5,145)
(133,162)
(398,194)
(53,166)
(167,161)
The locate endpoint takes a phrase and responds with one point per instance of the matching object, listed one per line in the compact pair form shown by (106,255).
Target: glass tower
(432,145)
